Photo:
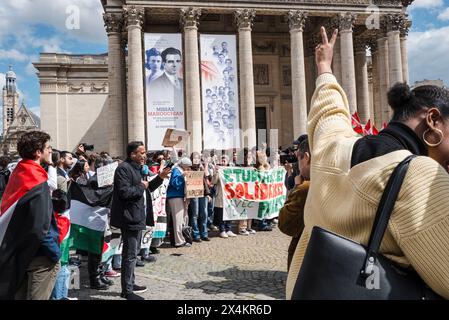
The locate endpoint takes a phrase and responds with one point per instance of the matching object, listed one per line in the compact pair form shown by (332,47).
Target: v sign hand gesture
(324,52)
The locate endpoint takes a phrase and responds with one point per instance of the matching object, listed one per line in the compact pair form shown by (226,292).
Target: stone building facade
(276,42)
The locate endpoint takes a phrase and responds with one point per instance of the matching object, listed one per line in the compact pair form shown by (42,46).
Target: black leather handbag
(336,268)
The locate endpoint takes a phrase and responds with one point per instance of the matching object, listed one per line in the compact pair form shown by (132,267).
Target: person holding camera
(291,165)
(131,205)
(291,216)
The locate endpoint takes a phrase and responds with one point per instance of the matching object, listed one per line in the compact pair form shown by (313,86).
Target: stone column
(114,23)
(136,110)
(346,23)
(405,26)
(394,47)
(297,21)
(377,115)
(336,62)
(383,73)
(244,19)
(190,20)
(361,72)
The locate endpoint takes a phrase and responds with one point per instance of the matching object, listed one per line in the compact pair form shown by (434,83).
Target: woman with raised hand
(349,174)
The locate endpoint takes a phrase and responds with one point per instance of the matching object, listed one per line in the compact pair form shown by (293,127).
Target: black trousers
(131,246)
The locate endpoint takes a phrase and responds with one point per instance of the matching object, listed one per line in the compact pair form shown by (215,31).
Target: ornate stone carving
(261,75)
(113,22)
(134,15)
(297,19)
(244,18)
(190,17)
(405,27)
(344,21)
(264,46)
(95,88)
(406,3)
(394,22)
(76,88)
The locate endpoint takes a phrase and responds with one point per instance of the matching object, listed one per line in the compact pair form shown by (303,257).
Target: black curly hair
(406,102)
(30,142)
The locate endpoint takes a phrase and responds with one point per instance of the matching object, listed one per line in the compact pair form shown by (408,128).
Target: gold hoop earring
(433,144)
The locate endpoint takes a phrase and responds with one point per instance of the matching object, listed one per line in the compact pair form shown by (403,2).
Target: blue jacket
(177,184)
(49,245)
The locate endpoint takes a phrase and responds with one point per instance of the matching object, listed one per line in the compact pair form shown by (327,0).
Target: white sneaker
(275,221)
(243,232)
(231,234)
(251,231)
(223,235)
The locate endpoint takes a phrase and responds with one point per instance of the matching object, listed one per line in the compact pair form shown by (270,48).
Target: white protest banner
(105,174)
(252,194)
(194,184)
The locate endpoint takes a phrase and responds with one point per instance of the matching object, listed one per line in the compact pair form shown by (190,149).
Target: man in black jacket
(131,205)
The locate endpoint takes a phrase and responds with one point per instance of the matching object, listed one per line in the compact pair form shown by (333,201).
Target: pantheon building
(222,70)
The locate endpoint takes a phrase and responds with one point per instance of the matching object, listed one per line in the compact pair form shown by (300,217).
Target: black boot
(97,284)
(106,280)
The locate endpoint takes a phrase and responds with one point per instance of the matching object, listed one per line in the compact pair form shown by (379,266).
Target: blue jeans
(198,217)
(218,218)
(210,212)
(61,289)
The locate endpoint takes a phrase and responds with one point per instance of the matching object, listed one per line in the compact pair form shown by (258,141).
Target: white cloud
(426,4)
(12,54)
(444,15)
(428,55)
(23,14)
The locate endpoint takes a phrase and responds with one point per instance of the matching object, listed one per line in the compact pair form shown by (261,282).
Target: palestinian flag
(25,217)
(89,213)
(63,222)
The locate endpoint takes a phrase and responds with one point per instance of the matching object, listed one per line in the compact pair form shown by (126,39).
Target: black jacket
(397,136)
(128,208)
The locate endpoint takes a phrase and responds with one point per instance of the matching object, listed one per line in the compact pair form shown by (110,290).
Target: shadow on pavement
(254,282)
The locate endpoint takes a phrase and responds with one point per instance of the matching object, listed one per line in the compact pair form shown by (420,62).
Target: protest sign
(105,174)
(174,137)
(194,184)
(252,194)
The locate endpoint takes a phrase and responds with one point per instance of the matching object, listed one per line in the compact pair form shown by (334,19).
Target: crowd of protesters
(190,220)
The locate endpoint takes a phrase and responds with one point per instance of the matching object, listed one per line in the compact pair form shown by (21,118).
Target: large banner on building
(220,91)
(252,194)
(164,85)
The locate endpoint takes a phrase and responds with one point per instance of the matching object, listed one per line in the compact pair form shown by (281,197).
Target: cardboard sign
(175,137)
(105,174)
(194,184)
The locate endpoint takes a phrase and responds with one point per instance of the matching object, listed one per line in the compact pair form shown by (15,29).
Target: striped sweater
(344,199)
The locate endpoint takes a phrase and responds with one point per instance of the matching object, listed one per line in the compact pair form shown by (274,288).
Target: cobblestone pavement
(250,267)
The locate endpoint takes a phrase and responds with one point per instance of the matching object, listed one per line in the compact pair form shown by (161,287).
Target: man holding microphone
(130,205)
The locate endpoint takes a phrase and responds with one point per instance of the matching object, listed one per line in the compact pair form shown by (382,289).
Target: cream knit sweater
(345,200)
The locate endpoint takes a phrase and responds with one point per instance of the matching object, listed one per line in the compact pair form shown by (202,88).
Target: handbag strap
(384,211)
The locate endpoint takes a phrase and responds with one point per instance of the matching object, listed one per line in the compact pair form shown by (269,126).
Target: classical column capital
(244,18)
(406,3)
(405,27)
(344,21)
(394,21)
(297,19)
(113,22)
(134,16)
(190,17)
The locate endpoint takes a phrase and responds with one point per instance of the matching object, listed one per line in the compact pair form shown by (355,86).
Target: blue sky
(28,27)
